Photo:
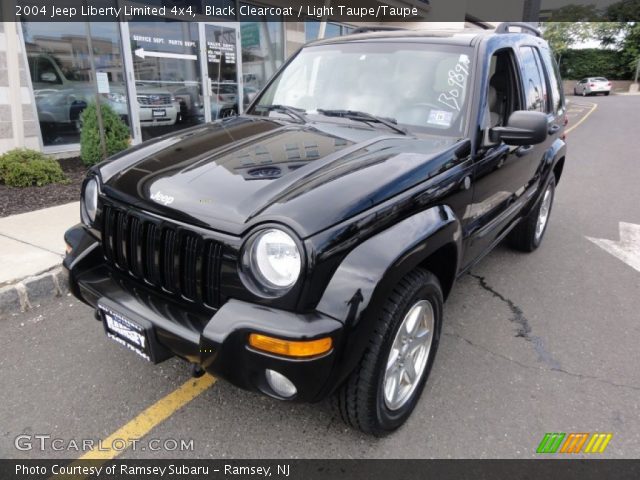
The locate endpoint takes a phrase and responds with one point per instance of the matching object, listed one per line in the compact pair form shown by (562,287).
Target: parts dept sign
(146,45)
(221,46)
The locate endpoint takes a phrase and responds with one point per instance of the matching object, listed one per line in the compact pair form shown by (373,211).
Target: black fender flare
(556,151)
(368,274)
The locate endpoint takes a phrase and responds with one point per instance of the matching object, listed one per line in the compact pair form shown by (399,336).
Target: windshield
(422,87)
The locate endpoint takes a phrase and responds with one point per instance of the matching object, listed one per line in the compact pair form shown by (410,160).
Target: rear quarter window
(555,82)
(535,87)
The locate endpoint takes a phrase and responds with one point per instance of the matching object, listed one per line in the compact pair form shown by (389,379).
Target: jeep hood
(230,175)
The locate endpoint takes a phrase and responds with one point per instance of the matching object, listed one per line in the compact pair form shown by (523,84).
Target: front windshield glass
(423,87)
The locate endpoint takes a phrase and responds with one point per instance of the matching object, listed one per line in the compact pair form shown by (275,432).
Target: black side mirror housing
(523,128)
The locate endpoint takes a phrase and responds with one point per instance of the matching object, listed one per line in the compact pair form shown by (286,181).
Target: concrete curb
(24,295)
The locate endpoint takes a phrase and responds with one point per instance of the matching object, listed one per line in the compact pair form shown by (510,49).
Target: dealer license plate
(126,332)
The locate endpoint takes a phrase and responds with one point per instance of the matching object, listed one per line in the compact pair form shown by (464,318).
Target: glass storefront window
(312,29)
(167,74)
(178,81)
(222,70)
(63,83)
(262,41)
(167,66)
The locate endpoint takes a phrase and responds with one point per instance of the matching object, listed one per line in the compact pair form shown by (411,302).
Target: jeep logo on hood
(162,198)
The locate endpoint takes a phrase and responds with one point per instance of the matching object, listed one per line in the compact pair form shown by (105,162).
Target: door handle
(524,150)
(553,129)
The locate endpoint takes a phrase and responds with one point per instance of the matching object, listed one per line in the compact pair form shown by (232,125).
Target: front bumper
(147,119)
(216,340)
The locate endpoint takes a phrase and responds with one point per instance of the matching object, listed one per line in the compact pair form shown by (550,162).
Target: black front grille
(181,262)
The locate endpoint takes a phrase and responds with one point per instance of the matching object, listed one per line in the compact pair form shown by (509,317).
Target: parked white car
(592,86)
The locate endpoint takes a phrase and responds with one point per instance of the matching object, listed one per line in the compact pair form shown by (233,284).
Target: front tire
(385,387)
(528,234)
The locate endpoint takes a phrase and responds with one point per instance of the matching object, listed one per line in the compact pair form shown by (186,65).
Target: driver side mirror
(523,128)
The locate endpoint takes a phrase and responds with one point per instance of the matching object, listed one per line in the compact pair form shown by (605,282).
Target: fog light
(280,384)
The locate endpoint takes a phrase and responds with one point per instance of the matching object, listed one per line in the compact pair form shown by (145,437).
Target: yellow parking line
(595,105)
(121,439)
(150,418)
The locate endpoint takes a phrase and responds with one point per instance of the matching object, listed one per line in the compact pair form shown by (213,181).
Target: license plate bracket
(131,330)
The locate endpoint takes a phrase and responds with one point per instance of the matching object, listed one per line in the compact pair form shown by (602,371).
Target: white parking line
(627,248)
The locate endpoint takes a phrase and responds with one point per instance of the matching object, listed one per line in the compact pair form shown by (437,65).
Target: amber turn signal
(69,248)
(288,348)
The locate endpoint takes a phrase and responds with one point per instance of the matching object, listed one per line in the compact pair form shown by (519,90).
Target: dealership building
(179,73)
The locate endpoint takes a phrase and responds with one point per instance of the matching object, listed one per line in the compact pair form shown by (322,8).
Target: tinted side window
(555,83)
(545,81)
(534,85)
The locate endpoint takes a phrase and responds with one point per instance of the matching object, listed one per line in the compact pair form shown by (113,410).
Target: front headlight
(273,260)
(90,200)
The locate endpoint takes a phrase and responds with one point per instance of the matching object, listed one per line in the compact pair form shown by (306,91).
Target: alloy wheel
(543,214)
(409,354)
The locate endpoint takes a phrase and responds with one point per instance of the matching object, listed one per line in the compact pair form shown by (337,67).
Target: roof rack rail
(525,27)
(377,28)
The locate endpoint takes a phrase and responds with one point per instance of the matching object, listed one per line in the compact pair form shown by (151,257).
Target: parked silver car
(592,86)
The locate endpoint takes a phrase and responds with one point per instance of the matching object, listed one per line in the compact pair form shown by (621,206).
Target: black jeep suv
(305,248)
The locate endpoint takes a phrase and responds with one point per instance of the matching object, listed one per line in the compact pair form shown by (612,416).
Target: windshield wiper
(297,113)
(364,117)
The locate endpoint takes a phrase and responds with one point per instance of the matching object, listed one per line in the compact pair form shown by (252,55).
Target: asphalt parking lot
(545,342)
